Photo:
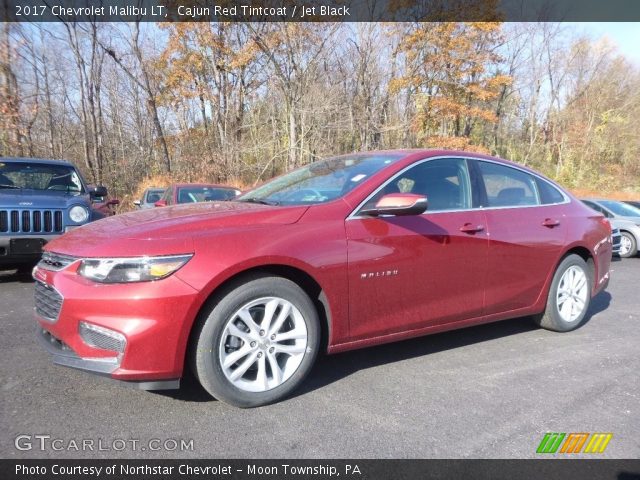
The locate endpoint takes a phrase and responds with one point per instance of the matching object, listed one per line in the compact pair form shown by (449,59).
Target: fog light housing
(101,337)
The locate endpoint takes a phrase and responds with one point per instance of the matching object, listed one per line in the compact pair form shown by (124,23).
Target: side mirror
(98,191)
(137,203)
(398,204)
(160,203)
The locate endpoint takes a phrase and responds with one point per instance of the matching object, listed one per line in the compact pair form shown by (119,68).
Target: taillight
(605,221)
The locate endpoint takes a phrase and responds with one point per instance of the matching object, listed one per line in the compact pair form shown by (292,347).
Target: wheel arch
(632,233)
(587,255)
(577,249)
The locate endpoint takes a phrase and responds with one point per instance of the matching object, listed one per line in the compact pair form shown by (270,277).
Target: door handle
(550,222)
(471,228)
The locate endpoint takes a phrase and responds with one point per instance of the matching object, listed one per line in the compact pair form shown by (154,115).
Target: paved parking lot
(490,391)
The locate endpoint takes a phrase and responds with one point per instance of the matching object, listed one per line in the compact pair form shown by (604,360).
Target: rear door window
(507,187)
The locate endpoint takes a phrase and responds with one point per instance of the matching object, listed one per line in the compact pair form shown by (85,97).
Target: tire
(573,275)
(233,336)
(628,245)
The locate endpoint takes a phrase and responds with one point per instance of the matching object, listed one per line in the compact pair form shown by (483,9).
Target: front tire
(569,296)
(258,343)
(628,245)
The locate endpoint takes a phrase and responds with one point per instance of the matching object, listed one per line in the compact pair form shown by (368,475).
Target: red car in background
(340,254)
(196,192)
(105,205)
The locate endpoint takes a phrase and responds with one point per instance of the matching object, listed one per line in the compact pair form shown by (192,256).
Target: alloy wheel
(263,344)
(625,245)
(572,294)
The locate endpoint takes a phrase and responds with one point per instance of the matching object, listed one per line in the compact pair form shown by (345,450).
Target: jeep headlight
(79,214)
(134,269)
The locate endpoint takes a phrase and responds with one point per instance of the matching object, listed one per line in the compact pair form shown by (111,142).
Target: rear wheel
(569,296)
(628,245)
(258,343)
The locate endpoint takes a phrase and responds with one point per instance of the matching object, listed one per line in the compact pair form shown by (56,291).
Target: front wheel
(258,343)
(628,245)
(569,296)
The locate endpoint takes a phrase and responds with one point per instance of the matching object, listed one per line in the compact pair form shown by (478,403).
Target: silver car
(616,241)
(624,217)
(149,197)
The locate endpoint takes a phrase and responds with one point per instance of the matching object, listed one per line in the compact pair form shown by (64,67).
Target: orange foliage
(453,143)
(454,75)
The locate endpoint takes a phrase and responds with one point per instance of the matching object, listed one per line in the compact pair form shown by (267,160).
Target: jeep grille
(31,221)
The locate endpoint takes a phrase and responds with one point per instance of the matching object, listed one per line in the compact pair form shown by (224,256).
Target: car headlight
(135,269)
(79,214)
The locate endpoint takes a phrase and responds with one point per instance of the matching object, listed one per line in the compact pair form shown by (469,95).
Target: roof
(43,161)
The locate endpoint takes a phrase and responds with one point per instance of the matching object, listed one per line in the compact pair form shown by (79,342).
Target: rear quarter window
(548,193)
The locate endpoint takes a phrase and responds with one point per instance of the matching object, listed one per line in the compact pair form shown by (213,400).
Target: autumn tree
(10,135)
(451,72)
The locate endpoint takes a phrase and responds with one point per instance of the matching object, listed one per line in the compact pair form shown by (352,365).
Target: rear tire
(569,296)
(258,343)
(628,245)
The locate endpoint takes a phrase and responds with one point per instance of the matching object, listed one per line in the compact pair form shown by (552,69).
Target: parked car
(624,217)
(104,205)
(616,241)
(633,203)
(196,192)
(343,253)
(39,201)
(149,198)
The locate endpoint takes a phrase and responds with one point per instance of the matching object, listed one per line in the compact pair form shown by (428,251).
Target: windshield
(39,176)
(154,195)
(621,209)
(319,182)
(204,194)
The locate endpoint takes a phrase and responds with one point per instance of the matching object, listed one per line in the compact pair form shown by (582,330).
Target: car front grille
(48,301)
(31,221)
(55,261)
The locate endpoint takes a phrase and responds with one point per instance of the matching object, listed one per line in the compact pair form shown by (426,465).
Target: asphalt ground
(490,391)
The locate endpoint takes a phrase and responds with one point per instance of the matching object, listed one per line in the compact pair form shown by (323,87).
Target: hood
(26,198)
(635,220)
(621,222)
(168,230)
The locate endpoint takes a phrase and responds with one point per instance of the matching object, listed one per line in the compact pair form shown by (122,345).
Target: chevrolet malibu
(343,253)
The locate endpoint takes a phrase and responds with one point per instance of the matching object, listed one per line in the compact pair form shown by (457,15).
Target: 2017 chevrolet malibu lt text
(343,253)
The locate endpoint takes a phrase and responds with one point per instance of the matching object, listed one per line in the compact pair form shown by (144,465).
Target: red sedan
(343,253)
(196,192)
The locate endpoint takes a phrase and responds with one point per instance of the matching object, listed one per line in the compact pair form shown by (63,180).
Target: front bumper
(9,256)
(61,354)
(154,317)
(616,241)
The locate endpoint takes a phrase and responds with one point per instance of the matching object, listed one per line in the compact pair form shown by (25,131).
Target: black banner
(552,469)
(318,11)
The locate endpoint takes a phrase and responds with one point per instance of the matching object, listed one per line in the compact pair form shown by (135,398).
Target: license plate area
(26,246)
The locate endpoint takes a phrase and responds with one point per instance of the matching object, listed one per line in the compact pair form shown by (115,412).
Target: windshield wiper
(9,186)
(258,200)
